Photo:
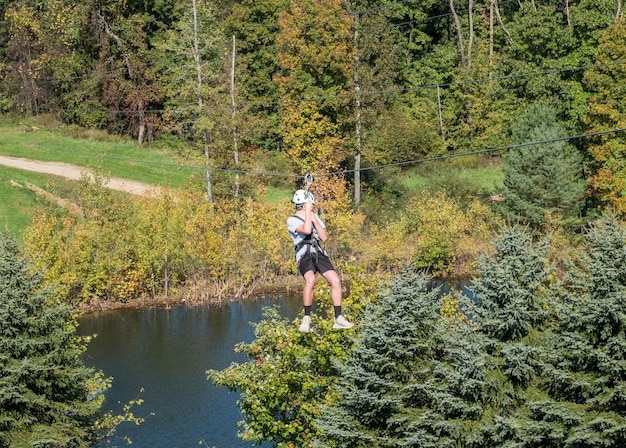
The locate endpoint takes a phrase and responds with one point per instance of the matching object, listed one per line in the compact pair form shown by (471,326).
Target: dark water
(167,352)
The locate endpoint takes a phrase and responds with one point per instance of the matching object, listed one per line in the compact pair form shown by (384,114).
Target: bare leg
(335,286)
(307,292)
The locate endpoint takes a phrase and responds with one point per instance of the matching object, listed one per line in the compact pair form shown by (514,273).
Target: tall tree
(46,393)
(43,46)
(607,111)
(255,28)
(130,88)
(542,178)
(512,307)
(589,370)
(191,68)
(315,51)
(411,380)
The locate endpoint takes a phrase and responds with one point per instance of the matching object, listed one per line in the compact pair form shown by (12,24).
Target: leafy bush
(441,233)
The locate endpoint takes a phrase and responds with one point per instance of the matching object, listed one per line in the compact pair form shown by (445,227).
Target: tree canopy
(323,83)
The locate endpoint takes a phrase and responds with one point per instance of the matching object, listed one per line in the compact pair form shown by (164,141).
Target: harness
(308,241)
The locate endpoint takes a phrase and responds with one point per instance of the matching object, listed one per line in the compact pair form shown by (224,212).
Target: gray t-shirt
(293,222)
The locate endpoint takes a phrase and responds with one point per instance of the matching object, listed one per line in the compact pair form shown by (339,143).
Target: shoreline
(184,297)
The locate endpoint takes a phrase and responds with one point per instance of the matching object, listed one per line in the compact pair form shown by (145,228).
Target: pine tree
(410,381)
(542,178)
(45,389)
(591,347)
(513,309)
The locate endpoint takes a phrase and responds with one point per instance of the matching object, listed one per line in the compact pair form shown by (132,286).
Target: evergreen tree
(410,381)
(45,389)
(590,347)
(542,178)
(513,309)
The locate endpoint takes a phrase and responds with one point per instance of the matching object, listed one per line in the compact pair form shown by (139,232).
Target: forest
(363,95)
(357,93)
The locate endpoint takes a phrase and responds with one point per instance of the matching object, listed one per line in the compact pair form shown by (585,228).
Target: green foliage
(48,398)
(406,382)
(512,288)
(108,424)
(443,233)
(255,26)
(289,374)
(511,308)
(545,178)
(528,361)
(397,137)
(120,248)
(551,346)
(590,343)
(607,111)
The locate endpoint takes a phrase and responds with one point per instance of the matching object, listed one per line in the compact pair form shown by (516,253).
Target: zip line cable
(480,151)
(370,168)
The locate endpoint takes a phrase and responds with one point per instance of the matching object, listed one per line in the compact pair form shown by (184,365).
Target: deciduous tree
(315,53)
(607,111)
(288,374)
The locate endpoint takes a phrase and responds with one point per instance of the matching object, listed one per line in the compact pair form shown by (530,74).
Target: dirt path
(74,172)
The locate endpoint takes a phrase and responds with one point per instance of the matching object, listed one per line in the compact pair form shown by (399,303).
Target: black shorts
(315,262)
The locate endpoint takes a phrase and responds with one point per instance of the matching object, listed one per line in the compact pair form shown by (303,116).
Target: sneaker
(342,323)
(305,326)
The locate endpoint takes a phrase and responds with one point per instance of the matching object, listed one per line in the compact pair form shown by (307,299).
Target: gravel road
(73,172)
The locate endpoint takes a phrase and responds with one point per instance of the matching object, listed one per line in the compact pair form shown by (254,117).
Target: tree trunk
(443,134)
(499,17)
(491,14)
(357,111)
(233,116)
(470,39)
(207,166)
(459,33)
(205,136)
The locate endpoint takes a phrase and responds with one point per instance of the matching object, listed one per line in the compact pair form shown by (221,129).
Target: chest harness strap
(308,241)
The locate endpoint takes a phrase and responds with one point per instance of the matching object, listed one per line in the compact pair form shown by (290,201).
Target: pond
(166,353)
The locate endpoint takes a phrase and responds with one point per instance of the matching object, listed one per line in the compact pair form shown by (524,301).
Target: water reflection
(167,352)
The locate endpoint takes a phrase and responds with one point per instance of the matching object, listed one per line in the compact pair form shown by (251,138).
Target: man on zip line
(307,230)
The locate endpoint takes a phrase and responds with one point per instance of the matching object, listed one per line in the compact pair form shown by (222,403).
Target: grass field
(17,202)
(115,158)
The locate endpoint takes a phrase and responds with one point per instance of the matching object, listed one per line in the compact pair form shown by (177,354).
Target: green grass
(480,178)
(275,195)
(18,203)
(114,158)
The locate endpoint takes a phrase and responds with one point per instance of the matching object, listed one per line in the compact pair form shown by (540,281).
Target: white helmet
(301,196)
